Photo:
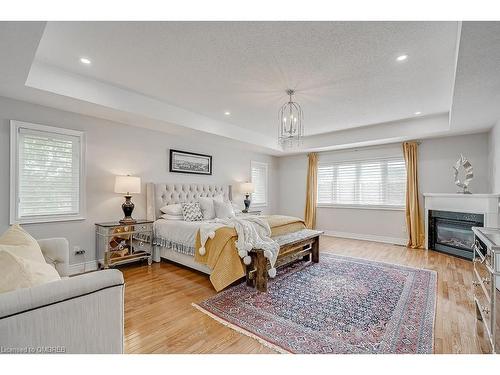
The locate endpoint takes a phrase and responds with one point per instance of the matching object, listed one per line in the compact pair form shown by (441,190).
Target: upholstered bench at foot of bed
(303,244)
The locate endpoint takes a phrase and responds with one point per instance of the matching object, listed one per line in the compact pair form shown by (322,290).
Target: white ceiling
(345,73)
(179,77)
(476,98)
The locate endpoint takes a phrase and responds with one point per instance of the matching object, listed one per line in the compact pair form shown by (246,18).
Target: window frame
(14,174)
(266,167)
(360,206)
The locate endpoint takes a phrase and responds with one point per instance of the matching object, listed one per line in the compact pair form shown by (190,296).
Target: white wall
(437,156)
(494,158)
(435,175)
(114,148)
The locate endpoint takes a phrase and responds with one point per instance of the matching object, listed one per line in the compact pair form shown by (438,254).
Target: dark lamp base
(247,203)
(127,208)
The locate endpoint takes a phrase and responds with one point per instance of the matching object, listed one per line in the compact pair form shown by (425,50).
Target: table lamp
(247,188)
(127,185)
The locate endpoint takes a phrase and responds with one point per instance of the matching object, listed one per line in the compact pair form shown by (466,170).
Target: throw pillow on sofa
(18,272)
(19,243)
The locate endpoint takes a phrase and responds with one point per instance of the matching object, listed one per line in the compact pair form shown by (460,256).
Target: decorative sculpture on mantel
(469,175)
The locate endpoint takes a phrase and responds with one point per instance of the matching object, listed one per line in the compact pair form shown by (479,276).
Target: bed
(159,195)
(178,241)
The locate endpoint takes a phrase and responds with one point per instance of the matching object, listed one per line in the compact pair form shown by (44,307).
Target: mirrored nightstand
(118,243)
(250,212)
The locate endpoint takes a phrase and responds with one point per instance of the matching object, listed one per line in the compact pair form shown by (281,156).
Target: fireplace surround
(451,232)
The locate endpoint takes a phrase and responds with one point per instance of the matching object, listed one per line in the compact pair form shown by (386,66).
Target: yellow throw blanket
(222,257)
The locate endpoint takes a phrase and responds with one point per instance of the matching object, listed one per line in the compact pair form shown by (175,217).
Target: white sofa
(81,314)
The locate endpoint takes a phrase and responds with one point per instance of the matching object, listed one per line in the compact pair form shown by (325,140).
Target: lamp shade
(247,187)
(127,184)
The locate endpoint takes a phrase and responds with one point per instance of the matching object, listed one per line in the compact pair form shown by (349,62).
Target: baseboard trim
(366,237)
(76,268)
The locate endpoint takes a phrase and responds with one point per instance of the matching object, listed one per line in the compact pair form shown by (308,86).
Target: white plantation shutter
(259,179)
(48,173)
(374,182)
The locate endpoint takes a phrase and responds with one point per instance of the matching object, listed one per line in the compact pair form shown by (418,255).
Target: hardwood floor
(159,317)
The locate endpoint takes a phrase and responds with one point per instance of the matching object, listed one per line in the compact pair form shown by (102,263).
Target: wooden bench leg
(249,268)
(315,250)
(307,258)
(260,271)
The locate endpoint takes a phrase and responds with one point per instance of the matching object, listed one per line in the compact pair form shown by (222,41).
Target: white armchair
(81,314)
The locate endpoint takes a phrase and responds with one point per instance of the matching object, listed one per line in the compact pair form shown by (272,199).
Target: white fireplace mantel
(486,204)
(459,195)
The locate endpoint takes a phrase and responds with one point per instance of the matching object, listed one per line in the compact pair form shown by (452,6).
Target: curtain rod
(374,147)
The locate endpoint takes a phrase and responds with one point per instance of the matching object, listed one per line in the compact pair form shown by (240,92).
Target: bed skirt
(162,252)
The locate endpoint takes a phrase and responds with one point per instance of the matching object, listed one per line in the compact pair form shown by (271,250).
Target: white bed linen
(179,231)
(175,241)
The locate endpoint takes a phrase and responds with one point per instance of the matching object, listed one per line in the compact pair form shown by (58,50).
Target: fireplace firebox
(451,232)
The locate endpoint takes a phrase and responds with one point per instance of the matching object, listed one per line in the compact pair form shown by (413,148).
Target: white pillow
(172,209)
(223,210)
(18,272)
(207,206)
(171,217)
(18,242)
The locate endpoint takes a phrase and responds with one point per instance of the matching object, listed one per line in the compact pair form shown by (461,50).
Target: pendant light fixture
(290,123)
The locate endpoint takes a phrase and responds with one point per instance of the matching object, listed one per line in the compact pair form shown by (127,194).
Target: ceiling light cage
(291,130)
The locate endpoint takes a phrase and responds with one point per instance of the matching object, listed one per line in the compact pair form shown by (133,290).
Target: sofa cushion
(18,272)
(19,242)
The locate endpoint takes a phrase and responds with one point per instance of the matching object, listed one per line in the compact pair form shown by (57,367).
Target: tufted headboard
(159,195)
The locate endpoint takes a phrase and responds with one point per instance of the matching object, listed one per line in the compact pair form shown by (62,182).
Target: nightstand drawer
(143,227)
(141,245)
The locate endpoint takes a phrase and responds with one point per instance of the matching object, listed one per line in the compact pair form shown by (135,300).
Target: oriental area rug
(341,305)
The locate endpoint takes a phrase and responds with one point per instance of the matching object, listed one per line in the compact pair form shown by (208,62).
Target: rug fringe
(241,330)
(435,312)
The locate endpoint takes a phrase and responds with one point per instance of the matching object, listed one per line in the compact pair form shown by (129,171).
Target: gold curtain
(312,191)
(414,222)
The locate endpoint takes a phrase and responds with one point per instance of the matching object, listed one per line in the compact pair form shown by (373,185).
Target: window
(46,176)
(368,183)
(259,179)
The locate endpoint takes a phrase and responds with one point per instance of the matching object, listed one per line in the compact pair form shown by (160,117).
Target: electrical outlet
(78,250)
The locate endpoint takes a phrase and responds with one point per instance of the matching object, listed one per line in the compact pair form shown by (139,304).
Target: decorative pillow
(19,242)
(172,209)
(192,211)
(207,206)
(223,210)
(18,272)
(172,217)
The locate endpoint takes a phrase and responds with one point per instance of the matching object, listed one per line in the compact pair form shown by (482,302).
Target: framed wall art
(190,162)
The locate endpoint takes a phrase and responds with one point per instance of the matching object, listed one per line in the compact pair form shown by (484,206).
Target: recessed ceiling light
(84,60)
(402,58)
(418,113)
(227,113)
